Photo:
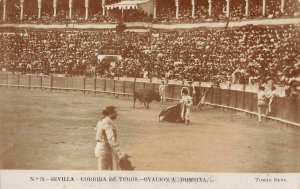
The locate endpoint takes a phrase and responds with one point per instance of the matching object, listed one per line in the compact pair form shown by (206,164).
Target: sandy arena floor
(54,131)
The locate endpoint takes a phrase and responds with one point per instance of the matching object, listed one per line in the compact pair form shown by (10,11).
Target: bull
(145,96)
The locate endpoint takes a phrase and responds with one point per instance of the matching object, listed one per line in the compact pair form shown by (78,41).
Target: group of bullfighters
(176,113)
(108,152)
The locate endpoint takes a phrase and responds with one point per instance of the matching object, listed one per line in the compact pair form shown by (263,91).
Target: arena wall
(236,97)
(172,26)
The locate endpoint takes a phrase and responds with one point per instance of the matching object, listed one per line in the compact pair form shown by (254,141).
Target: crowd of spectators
(237,55)
(166,12)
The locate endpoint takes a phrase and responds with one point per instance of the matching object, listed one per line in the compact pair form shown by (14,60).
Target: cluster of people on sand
(108,151)
(266,94)
(186,100)
(265,97)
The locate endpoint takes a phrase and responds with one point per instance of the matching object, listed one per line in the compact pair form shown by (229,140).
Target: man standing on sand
(186,102)
(107,150)
(162,91)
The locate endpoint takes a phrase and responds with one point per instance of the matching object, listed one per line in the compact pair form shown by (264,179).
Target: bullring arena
(63,62)
(44,128)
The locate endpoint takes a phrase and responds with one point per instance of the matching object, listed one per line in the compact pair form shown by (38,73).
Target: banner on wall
(145,5)
(109,57)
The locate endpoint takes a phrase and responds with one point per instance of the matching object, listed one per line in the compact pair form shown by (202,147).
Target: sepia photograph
(149,87)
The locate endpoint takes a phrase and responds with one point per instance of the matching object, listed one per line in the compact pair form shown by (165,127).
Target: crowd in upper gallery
(167,11)
(239,55)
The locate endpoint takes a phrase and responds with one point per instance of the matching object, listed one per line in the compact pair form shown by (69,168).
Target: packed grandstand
(245,54)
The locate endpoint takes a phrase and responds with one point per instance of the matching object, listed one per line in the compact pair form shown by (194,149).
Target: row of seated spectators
(237,11)
(238,55)
(165,14)
(62,17)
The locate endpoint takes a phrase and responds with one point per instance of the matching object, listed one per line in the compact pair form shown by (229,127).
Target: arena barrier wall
(46,82)
(36,81)
(23,80)
(100,85)
(129,87)
(13,80)
(139,85)
(149,86)
(168,26)
(3,79)
(119,86)
(248,101)
(225,93)
(240,99)
(90,84)
(236,97)
(59,83)
(110,86)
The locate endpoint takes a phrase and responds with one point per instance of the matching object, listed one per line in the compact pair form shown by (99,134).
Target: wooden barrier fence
(285,109)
